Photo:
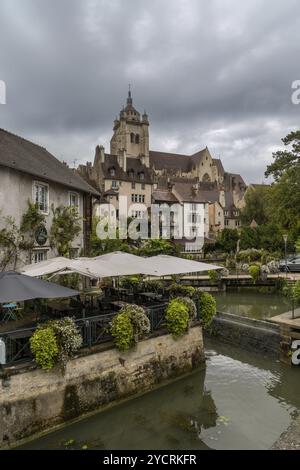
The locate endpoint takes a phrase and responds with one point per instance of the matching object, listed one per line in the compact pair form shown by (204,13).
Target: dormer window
(142,176)
(112,171)
(131,174)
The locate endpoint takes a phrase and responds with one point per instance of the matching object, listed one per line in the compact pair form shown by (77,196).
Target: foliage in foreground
(44,347)
(55,343)
(177,317)
(129,326)
(207,307)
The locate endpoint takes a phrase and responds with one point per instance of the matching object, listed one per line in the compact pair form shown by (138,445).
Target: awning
(114,264)
(165,265)
(18,287)
(58,265)
(117,264)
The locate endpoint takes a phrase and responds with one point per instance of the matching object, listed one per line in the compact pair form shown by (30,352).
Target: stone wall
(33,400)
(253,335)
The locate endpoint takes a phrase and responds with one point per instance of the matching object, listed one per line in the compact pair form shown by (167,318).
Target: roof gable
(25,156)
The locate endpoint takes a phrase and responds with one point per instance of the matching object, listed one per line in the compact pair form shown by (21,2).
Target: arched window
(206,178)
(132,137)
(137,139)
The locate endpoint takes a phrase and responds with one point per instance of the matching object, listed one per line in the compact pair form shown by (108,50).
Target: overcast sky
(214,73)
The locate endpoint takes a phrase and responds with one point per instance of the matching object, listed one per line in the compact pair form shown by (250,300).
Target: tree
(285,191)
(227,239)
(157,246)
(11,243)
(65,227)
(285,160)
(256,205)
(101,246)
(31,221)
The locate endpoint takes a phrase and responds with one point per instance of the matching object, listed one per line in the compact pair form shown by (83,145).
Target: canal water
(241,401)
(248,302)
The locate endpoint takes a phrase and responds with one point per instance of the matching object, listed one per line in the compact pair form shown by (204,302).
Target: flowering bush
(55,342)
(190,304)
(68,338)
(177,316)
(139,320)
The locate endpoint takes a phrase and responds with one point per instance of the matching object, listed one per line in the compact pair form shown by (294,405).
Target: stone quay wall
(33,400)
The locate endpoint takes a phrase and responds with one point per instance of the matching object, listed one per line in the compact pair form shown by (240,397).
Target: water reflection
(248,302)
(241,401)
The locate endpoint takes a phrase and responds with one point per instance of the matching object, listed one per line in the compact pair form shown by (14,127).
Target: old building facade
(28,173)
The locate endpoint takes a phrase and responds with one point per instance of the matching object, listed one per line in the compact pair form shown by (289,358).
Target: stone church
(144,176)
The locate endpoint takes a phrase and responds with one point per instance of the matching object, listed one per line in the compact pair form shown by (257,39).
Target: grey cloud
(214,73)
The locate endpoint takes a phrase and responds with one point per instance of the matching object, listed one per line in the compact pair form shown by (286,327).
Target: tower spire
(129,99)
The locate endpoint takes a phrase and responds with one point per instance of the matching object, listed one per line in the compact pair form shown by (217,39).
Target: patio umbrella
(165,265)
(18,287)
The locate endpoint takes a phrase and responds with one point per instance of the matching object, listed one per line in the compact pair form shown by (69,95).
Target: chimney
(194,189)
(102,154)
(122,159)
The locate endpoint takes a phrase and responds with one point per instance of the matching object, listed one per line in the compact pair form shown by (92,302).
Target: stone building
(142,175)
(29,172)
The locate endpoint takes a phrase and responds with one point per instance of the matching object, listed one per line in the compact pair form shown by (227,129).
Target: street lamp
(285,238)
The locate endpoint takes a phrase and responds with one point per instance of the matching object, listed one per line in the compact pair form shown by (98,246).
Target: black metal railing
(94,330)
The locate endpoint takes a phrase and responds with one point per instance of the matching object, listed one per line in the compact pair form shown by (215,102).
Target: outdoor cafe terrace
(93,308)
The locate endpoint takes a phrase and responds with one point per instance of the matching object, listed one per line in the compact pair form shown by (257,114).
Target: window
(194,207)
(74,200)
(133,185)
(142,176)
(132,137)
(112,172)
(143,186)
(137,139)
(39,256)
(138,198)
(114,184)
(226,213)
(41,196)
(226,222)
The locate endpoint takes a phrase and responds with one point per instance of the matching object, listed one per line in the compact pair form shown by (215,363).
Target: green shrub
(207,307)
(55,342)
(139,320)
(190,304)
(213,275)
(122,331)
(176,290)
(177,317)
(254,271)
(44,347)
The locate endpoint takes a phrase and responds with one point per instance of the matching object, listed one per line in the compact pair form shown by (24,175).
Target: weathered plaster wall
(16,189)
(35,400)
